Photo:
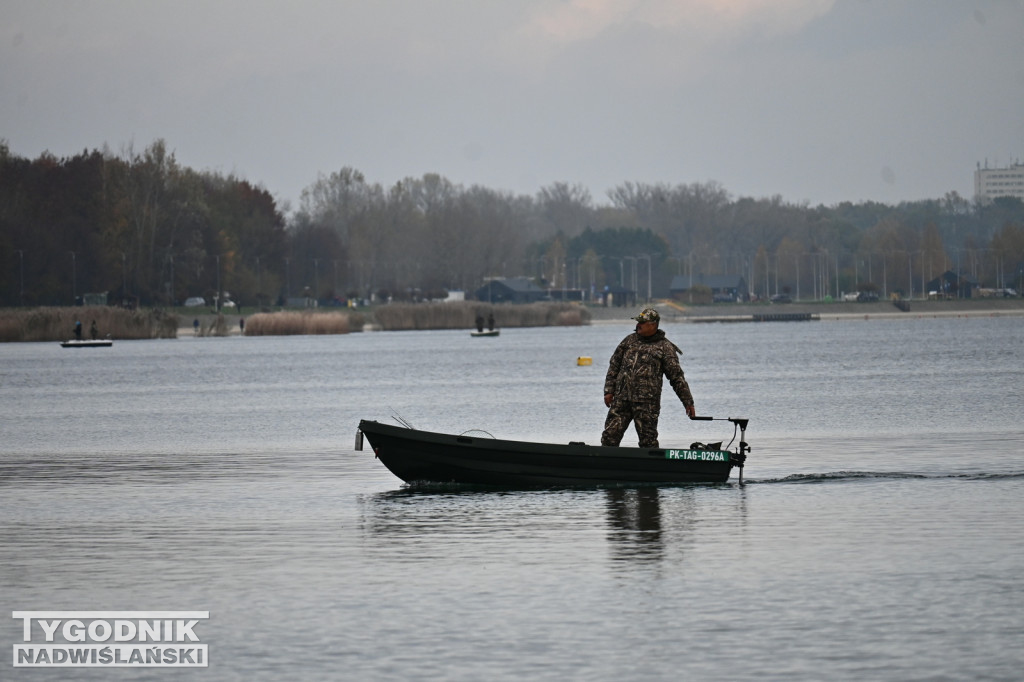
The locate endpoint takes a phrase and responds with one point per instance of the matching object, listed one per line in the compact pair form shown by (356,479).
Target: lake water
(878,535)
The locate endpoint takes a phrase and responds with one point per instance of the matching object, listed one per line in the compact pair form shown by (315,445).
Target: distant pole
(958,287)
(218,283)
(910,276)
(689,263)
(74,278)
(21,292)
(837,276)
(259,283)
(885,279)
(316,279)
(648,276)
(797,259)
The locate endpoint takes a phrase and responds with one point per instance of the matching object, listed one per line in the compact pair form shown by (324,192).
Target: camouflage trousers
(643,415)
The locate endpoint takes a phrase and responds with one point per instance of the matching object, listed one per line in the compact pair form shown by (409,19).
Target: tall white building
(991,183)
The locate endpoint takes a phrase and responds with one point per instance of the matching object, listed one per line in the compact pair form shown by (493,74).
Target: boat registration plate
(699,455)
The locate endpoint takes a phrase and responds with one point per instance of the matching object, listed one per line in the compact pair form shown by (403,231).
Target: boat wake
(847,476)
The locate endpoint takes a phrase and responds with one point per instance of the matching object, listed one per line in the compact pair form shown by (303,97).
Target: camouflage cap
(648,315)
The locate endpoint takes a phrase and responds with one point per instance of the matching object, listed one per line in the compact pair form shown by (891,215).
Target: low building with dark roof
(510,290)
(950,285)
(734,286)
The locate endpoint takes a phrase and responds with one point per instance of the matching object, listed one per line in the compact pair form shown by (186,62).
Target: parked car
(724,298)
(851,297)
(781,298)
(867,297)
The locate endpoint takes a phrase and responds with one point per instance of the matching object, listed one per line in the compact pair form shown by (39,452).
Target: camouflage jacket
(637,365)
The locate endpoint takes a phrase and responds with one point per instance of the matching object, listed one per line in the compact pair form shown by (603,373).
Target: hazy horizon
(816,101)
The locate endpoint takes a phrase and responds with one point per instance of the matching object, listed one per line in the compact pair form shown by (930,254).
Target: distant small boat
(489,332)
(86,343)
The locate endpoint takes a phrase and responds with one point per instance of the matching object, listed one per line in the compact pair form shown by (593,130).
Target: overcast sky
(814,100)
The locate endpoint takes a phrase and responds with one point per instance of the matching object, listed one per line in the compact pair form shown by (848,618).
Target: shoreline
(728,313)
(839,311)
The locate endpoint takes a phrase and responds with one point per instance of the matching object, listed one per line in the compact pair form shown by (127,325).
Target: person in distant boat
(632,387)
(78,330)
(93,330)
(490,322)
(479,323)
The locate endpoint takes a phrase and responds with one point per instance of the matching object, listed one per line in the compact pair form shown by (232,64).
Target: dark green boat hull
(421,456)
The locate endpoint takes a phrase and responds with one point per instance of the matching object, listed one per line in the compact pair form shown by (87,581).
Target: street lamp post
(632,279)
(884,294)
(124,276)
(647,256)
(259,283)
(316,279)
(837,276)
(958,286)
(796,257)
(21,291)
(74,278)
(910,274)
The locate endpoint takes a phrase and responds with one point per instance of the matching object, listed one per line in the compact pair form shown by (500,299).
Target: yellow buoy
(584,360)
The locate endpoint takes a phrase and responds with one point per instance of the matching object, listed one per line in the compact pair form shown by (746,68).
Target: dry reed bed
(57,324)
(407,317)
(286,323)
(462,315)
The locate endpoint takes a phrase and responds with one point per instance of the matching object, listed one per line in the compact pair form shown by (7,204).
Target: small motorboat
(475,457)
(487,332)
(86,343)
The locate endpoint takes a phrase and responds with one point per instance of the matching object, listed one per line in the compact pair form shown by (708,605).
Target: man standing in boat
(632,387)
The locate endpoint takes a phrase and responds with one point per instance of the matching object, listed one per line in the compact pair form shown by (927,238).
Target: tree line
(146,230)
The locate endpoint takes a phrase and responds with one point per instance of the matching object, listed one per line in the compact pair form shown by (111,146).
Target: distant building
(722,287)
(617,296)
(565,294)
(992,183)
(950,285)
(512,290)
